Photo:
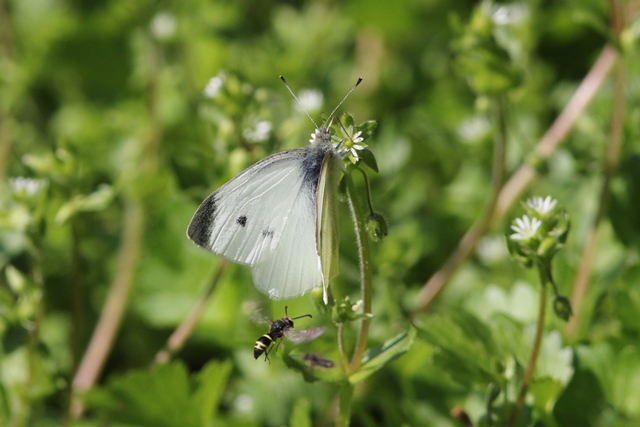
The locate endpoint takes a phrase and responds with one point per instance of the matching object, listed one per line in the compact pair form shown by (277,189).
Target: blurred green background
(117,118)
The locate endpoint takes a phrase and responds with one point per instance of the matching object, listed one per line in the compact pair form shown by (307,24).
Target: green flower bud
(562,307)
(377,226)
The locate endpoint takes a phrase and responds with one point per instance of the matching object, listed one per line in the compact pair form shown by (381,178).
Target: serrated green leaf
(163,397)
(377,357)
(466,347)
(211,382)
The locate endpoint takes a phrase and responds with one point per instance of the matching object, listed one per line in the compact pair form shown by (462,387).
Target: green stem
(179,336)
(343,354)
(365,272)
(544,279)
(346,399)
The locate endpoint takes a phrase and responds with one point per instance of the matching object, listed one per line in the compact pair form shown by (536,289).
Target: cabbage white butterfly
(278,216)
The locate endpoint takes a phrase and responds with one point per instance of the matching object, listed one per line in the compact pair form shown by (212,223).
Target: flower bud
(377,226)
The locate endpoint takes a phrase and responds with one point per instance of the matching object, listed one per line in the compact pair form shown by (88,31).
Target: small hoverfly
(278,329)
(319,361)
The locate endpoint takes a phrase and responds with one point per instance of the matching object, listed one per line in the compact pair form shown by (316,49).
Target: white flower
(214,85)
(259,133)
(540,205)
(525,228)
(350,143)
(27,186)
(311,100)
(163,25)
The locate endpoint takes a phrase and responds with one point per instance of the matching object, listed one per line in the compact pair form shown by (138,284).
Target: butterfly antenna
(344,99)
(334,110)
(301,106)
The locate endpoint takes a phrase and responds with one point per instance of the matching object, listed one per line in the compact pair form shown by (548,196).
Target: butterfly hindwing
(326,224)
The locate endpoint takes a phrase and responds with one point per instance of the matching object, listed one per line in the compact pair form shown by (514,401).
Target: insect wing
(296,267)
(265,218)
(299,336)
(326,224)
(243,220)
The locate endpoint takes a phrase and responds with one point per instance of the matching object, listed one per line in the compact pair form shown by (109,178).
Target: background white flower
(525,228)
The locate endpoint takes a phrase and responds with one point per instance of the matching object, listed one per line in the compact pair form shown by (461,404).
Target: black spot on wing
(242,220)
(202,222)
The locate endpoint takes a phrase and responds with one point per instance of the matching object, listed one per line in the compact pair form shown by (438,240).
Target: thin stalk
(346,400)
(177,339)
(77,294)
(7,120)
(533,358)
(469,241)
(547,145)
(610,166)
(22,411)
(343,354)
(365,272)
(111,316)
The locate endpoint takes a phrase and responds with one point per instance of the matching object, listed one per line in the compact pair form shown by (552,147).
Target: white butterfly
(278,216)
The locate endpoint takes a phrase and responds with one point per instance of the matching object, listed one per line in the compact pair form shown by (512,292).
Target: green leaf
(367,157)
(367,128)
(301,414)
(377,357)
(618,372)
(163,397)
(313,371)
(466,347)
(93,202)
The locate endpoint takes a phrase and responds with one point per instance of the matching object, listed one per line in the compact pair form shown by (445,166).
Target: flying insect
(278,329)
(318,361)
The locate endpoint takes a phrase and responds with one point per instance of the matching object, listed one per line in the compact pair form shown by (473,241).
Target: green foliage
(164,396)
(117,118)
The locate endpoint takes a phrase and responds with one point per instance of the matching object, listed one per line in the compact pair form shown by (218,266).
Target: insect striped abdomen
(262,344)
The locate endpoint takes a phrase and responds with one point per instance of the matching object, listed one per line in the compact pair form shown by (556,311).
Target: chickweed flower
(525,228)
(350,143)
(542,206)
(541,232)
(214,85)
(538,236)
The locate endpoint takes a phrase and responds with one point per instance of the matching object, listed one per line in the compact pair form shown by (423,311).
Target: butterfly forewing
(243,220)
(266,218)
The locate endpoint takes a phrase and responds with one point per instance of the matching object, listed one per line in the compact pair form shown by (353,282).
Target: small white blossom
(259,133)
(214,85)
(525,228)
(163,25)
(311,100)
(28,186)
(350,143)
(540,205)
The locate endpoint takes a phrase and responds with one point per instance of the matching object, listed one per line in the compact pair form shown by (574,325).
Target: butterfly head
(321,136)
